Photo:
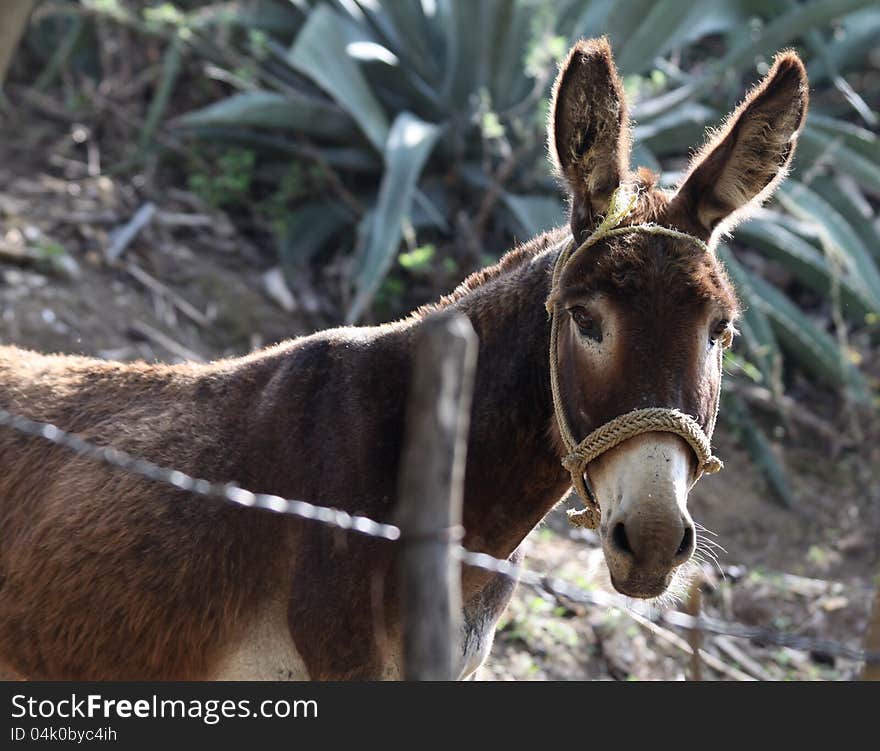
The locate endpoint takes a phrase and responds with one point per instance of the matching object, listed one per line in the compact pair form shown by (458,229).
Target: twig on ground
(747,663)
(105,216)
(180,219)
(155,336)
(675,640)
(123,237)
(154,285)
(276,287)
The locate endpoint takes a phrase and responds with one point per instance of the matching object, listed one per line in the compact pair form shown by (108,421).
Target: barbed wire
(757,634)
(228,491)
(338,519)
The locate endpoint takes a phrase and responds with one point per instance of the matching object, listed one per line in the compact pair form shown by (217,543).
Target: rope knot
(572,462)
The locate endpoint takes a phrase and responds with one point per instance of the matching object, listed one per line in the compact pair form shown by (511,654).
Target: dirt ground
(190,286)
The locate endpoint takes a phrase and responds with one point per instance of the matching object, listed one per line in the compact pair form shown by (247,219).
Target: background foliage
(389,148)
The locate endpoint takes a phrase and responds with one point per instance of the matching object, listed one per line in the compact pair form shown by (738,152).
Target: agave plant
(424,121)
(418,103)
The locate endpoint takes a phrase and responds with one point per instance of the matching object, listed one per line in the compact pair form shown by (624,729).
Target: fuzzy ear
(589,134)
(748,157)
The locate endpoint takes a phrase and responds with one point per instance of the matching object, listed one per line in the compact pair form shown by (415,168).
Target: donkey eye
(587,325)
(721,332)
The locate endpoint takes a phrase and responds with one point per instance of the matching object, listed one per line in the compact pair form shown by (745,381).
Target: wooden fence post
(872,639)
(430,495)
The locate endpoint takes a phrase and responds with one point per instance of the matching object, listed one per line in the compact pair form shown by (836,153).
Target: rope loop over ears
(626,426)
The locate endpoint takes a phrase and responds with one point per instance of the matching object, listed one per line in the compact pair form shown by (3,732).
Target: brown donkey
(104,575)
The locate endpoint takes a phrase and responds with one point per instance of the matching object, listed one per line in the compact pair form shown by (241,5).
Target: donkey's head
(642,315)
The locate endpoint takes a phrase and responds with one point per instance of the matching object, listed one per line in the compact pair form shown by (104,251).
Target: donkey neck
(513,475)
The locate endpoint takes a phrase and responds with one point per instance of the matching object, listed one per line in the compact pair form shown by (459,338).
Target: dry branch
(123,237)
(145,331)
(676,641)
(154,285)
(747,663)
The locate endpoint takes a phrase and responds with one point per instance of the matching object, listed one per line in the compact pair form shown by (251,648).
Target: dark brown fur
(107,576)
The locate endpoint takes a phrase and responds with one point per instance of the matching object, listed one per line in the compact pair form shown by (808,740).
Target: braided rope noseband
(626,426)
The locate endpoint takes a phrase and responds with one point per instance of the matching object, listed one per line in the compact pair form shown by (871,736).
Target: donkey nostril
(686,543)
(619,538)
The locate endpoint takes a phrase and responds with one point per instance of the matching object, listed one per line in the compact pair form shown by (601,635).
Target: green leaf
(616,19)
(410,142)
(294,112)
(307,229)
(854,38)
(319,52)
(418,259)
(753,324)
(398,28)
(838,239)
(815,350)
(844,195)
(263,15)
(808,264)
(760,451)
(816,43)
(861,140)
(404,27)
(511,33)
(171,65)
(535,214)
(586,18)
(784,29)
(676,131)
(465,51)
(748,47)
(825,148)
(667,23)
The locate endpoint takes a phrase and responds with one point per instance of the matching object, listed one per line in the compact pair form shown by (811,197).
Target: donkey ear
(748,157)
(588,133)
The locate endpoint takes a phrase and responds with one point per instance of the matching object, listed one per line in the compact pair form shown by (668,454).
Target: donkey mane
(510,261)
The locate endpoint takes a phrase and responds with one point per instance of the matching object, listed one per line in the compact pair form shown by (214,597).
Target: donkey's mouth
(641,587)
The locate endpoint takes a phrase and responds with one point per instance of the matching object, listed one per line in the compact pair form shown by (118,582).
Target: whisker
(716,554)
(712,543)
(709,543)
(706,550)
(714,561)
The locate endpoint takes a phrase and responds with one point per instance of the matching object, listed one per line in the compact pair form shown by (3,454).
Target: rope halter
(626,426)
